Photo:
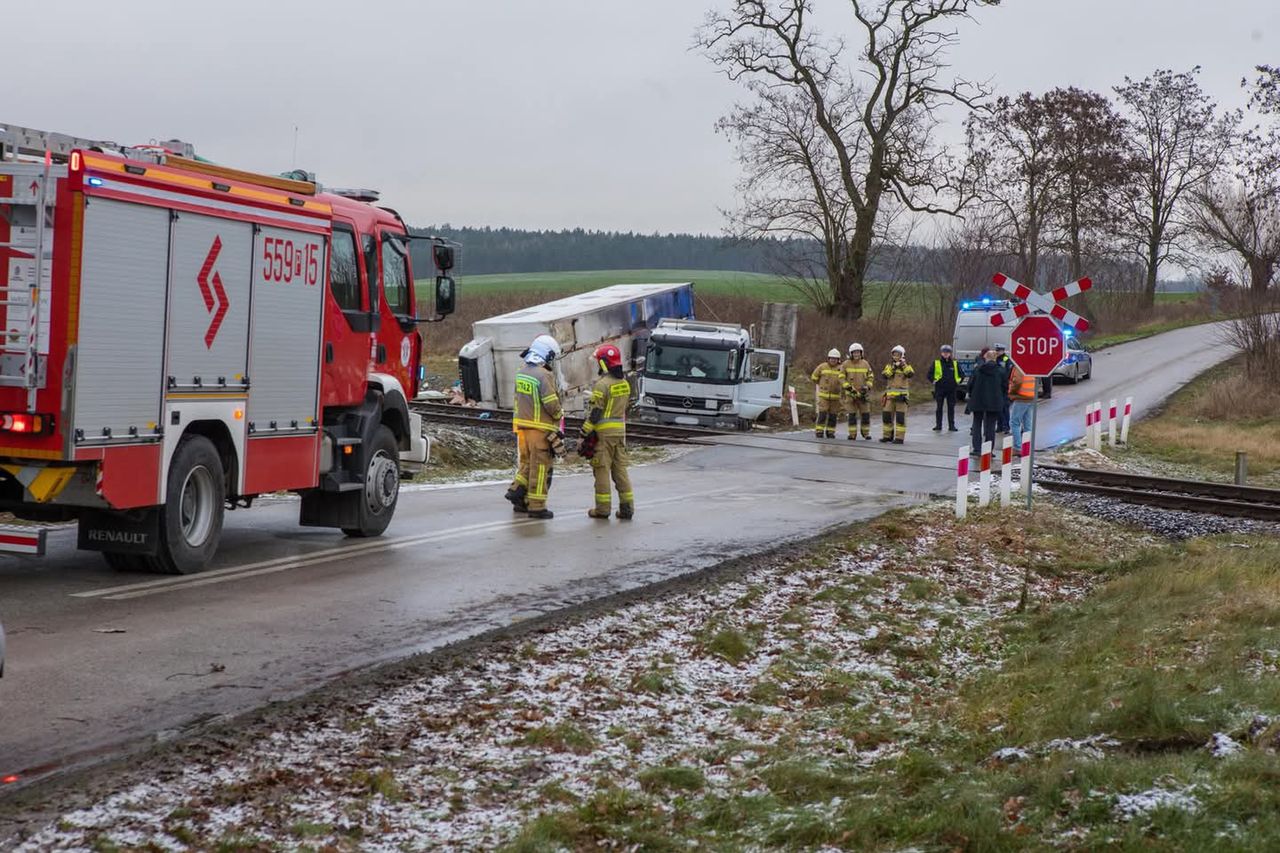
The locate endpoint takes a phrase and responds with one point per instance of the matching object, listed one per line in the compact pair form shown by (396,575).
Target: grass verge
(1140,717)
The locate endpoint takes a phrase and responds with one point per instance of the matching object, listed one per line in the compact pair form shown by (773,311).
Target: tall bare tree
(1019,175)
(875,114)
(1176,141)
(1087,138)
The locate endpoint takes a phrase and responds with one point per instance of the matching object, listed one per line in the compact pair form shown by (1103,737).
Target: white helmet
(855,348)
(834,353)
(899,350)
(543,350)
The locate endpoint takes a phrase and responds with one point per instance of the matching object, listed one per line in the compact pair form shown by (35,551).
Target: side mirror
(443,257)
(446,294)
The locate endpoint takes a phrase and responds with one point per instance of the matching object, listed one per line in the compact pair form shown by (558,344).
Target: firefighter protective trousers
(537,464)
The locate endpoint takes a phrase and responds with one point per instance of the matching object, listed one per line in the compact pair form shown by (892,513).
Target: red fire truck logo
(215,297)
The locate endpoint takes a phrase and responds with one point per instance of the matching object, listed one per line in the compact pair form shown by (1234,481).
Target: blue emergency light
(986,300)
(964,306)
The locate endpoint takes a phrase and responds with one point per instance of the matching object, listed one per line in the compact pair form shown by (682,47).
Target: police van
(974,332)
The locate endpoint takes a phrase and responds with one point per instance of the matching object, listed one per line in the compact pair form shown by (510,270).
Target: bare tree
(1018,175)
(1236,216)
(878,136)
(1087,138)
(1176,141)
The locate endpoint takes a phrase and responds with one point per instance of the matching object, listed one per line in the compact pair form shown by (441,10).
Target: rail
(1167,492)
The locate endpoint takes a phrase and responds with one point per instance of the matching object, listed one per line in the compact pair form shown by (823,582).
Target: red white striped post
(962,483)
(1096,443)
(1124,428)
(1006,470)
(1024,477)
(1111,424)
(984,475)
(1088,424)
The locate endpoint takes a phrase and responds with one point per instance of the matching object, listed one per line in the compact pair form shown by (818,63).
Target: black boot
(517,495)
(541,513)
(626,512)
(520,507)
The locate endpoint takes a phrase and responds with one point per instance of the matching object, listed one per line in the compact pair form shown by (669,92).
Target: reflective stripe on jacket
(610,397)
(858,375)
(898,377)
(537,403)
(830,381)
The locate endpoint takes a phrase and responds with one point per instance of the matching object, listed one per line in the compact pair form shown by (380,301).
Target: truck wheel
(381,486)
(191,518)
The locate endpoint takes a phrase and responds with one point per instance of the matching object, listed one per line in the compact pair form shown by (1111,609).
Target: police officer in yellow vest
(946,379)
(897,374)
(859,381)
(604,435)
(537,426)
(830,381)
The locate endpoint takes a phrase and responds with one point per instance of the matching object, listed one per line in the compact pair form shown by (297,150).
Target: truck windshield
(696,364)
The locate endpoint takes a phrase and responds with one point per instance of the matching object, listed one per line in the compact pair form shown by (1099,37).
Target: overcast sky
(531,113)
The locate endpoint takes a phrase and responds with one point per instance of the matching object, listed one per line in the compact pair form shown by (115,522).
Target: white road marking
(328,555)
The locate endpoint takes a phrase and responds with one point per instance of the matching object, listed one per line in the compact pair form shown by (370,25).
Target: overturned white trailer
(623,315)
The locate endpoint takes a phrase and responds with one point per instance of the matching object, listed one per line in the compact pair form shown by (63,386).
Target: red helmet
(609,356)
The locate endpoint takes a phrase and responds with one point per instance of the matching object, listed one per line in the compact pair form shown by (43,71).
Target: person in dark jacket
(946,380)
(1006,370)
(986,393)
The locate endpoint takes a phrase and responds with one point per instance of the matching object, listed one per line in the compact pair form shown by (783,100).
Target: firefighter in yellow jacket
(859,381)
(537,426)
(897,374)
(830,381)
(604,435)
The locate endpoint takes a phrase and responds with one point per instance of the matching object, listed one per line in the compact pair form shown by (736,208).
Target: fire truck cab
(180,338)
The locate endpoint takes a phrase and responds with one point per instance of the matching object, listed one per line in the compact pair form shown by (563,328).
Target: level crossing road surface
(100,659)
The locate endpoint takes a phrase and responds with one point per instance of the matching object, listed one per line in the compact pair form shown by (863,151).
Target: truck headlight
(648,401)
(726,405)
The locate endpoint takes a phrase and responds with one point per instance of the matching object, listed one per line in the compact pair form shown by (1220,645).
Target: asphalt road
(99,658)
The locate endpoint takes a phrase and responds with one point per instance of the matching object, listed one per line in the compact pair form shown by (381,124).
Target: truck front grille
(671,401)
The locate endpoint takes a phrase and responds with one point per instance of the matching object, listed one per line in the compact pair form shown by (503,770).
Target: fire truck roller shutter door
(285,331)
(209,303)
(120,359)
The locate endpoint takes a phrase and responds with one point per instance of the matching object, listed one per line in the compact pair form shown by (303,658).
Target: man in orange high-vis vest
(1022,396)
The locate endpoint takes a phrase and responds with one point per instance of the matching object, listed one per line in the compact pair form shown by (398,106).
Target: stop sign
(1037,345)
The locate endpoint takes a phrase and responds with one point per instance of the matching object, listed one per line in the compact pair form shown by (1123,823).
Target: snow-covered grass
(914,682)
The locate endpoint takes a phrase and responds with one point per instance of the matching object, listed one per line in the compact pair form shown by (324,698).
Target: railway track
(1189,495)
(655,433)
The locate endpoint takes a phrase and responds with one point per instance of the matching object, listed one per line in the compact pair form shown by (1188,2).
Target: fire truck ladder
(22,369)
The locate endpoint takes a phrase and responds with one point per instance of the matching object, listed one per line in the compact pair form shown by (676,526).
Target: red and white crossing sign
(1037,345)
(1032,300)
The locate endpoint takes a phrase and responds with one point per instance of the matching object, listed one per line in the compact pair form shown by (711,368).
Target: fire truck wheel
(381,486)
(191,518)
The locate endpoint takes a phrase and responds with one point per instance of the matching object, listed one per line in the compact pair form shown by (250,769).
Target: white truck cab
(708,374)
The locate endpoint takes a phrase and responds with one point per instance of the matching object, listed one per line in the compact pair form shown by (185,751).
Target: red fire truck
(180,337)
